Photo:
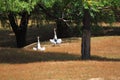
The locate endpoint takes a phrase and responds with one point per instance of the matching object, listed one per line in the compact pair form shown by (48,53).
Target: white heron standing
(38,47)
(55,40)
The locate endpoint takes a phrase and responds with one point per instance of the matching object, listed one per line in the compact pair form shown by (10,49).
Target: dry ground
(63,62)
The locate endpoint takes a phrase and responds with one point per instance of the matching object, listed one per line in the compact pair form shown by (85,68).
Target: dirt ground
(63,62)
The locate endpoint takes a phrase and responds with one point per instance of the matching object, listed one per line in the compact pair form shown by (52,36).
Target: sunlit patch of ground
(63,62)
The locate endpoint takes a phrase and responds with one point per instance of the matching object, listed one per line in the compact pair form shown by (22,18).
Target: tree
(83,11)
(19,30)
(15,10)
(92,11)
(21,10)
(86,32)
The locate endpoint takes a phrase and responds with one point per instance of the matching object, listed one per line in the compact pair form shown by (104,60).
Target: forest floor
(63,62)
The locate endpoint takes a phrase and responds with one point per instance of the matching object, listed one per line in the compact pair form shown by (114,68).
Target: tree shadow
(100,58)
(19,56)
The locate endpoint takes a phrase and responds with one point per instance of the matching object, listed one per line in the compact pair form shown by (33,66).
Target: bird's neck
(55,35)
(38,45)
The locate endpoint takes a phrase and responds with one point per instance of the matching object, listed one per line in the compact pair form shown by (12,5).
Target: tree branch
(12,21)
(24,20)
(49,14)
(46,12)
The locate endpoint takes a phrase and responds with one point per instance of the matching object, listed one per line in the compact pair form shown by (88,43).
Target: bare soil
(63,62)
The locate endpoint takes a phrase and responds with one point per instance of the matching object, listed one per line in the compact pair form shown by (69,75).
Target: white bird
(55,40)
(38,47)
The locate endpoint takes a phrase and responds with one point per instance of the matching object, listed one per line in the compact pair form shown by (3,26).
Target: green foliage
(17,5)
(113,2)
(100,10)
(103,9)
(93,6)
(72,8)
(48,3)
(57,8)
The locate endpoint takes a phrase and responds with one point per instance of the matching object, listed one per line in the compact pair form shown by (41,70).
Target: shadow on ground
(19,56)
(100,58)
(22,56)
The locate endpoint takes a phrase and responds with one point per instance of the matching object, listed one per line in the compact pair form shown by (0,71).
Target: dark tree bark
(63,29)
(86,34)
(19,30)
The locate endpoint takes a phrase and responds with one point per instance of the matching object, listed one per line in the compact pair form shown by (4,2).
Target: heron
(55,40)
(38,47)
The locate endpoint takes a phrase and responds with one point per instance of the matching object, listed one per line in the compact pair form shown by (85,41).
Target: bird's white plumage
(55,40)
(38,47)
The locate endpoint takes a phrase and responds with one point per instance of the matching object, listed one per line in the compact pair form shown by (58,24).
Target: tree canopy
(17,5)
(71,8)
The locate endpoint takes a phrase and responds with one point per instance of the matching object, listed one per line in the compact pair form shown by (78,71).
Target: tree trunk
(20,38)
(20,31)
(86,34)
